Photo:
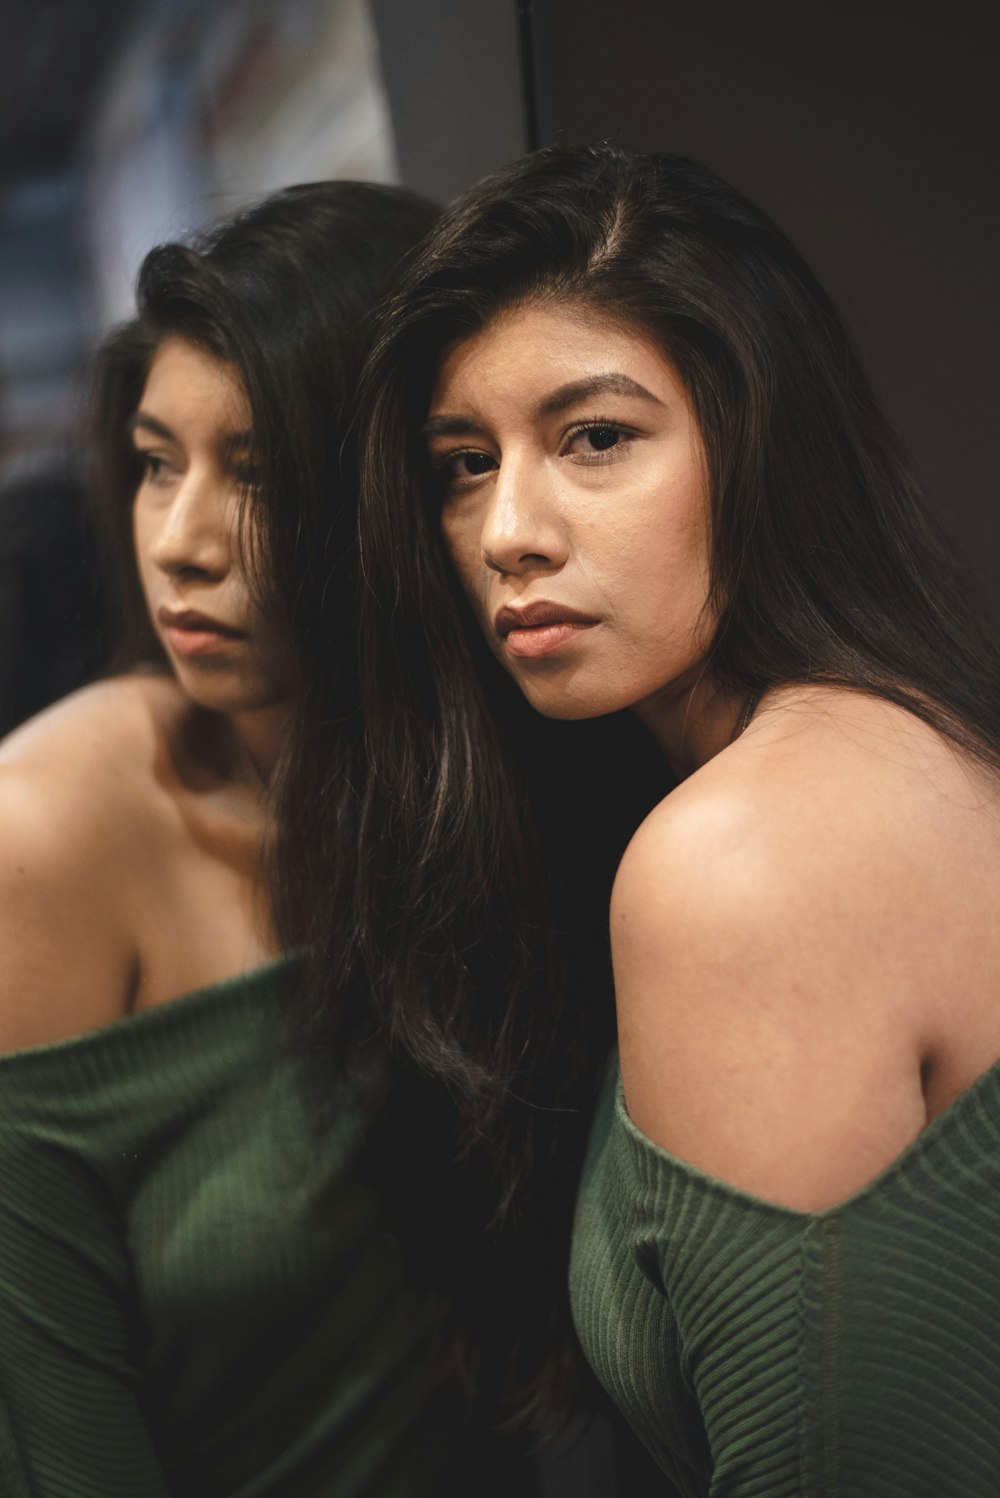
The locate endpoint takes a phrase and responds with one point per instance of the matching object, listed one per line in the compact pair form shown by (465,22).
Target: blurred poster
(211,106)
(296,95)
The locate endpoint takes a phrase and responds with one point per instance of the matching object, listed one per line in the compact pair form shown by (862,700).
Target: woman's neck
(261,736)
(231,756)
(693,721)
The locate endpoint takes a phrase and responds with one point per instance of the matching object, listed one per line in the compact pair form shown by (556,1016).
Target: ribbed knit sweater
(199,1295)
(762,1352)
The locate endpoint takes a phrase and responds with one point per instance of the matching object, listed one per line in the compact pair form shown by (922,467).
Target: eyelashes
(606,438)
(152,466)
(595,441)
(160,471)
(445,466)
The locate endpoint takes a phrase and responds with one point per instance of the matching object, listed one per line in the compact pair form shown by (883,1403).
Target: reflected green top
(198,1292)
(762,1352)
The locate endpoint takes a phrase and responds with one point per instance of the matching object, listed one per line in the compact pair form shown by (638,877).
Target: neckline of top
(943,1123)
(158,1016)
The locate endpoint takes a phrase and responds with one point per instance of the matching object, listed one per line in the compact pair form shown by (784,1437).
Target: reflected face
(191,433)
(574,506)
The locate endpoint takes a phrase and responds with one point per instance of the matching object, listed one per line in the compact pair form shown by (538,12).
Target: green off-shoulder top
(761,1352)
(199,1295)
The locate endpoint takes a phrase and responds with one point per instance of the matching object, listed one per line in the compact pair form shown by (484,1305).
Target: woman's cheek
(464,552)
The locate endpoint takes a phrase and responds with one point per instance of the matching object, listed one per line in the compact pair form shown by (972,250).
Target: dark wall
(868,129)
(453,78)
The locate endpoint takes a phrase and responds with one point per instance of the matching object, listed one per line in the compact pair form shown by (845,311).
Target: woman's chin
(572,707)
(233,698)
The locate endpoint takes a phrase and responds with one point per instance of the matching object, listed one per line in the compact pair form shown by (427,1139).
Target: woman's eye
(597,438)
(154,468)
(457,468)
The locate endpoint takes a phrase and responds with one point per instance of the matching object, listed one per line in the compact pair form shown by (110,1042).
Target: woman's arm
(71,1423)
(807,960)
(70,1418)
(772,996)
(74,853)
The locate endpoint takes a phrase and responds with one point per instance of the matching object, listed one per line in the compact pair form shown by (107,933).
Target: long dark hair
(474,909)
(284,291)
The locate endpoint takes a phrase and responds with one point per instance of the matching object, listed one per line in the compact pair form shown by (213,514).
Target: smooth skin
(806,932)
(133,813)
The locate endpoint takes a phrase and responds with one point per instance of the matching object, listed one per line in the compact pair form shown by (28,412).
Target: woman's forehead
(542,347)
(186,383)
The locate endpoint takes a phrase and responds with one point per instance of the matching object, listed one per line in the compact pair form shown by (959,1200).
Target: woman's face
(575,508)
(191,432)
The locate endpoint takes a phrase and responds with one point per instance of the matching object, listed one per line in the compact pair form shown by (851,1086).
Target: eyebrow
(612,383)
(143,422)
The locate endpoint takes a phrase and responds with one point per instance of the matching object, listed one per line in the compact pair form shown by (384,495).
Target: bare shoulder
(80,779)
(827,786)
(79,810)
(783,926)
(101,724)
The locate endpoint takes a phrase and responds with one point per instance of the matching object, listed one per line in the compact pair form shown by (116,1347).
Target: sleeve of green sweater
(71,1424)
(761,1352)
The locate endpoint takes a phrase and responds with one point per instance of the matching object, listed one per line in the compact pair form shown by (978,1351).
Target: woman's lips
(191,634)
(543,639)
(538,629)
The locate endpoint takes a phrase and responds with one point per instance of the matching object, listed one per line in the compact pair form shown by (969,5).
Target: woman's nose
(194,533)
(522,529)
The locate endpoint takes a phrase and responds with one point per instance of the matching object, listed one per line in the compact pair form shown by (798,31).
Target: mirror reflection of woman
(199,1290)
(654,482)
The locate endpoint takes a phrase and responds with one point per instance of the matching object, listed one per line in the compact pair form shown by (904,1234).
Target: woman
(199,1290)
(617,431)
